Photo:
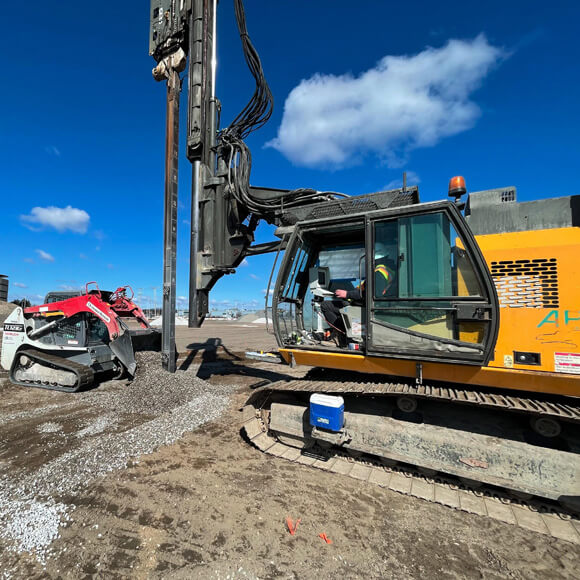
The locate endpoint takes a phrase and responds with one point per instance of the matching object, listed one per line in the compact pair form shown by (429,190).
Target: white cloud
(68,287)
(83,256)
(403,103)
(29,260)
(52,150)
(244,263)
(19,285)
(59,218)
(270,293)
(254,277)
(45,256)
(412,179)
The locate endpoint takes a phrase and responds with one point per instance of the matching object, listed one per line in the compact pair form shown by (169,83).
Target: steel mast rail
(184,31)
(168,352)
(171,62)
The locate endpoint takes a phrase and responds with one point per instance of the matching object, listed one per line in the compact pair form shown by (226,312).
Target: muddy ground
(211,506)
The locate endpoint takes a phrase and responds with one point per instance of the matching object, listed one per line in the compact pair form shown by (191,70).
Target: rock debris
(49,427)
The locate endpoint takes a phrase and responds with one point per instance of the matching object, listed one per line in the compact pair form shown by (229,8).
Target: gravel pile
(98,456)
(30,517)
(179,321)
(32,525)
(25,415)
(97,426)
(153,390)
(250,317)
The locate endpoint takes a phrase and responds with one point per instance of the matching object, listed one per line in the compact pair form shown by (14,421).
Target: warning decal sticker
(567,362)
(98,312)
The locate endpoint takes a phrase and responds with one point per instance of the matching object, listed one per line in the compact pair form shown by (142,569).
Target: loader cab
(417,284)
(81,330)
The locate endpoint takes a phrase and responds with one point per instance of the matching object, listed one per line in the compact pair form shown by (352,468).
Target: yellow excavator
(468,364)
(444,337)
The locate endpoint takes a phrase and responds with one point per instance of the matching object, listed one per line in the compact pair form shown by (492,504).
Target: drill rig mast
(225,209)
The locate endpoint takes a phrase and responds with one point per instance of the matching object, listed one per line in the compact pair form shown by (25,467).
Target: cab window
(420,271)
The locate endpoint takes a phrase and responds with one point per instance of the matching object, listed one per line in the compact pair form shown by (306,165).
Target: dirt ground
(212,506)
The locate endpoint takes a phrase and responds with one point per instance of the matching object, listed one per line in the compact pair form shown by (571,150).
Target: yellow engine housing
(537,277)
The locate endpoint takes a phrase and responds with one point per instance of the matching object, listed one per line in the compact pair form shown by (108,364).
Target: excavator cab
(416,282)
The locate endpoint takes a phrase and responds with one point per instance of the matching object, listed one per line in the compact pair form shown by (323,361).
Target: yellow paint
(521,380)
(543,330)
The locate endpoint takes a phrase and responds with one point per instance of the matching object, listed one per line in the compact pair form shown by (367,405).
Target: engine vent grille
(343,208)
(527,283)
(508,195)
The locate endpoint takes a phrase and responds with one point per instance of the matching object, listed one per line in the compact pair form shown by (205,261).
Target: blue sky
(82,124)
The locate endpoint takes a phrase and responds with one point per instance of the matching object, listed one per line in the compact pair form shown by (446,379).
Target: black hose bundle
(254,115)
(259,108)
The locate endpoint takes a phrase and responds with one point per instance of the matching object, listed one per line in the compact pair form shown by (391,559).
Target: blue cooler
(326,411)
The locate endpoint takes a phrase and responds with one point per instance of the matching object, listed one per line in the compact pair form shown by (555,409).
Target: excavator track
(549,407)
(537,514)
(61,374)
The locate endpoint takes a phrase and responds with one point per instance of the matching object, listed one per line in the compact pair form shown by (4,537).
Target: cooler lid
(327,400)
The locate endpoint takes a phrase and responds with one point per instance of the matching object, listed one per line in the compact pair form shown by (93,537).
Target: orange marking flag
(292,527)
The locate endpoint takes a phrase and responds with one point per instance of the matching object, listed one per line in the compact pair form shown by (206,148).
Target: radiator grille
(527,283)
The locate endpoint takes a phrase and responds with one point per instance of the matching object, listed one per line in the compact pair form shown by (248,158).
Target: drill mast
(225,209)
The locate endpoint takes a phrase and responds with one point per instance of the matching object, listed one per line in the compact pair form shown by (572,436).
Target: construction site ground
(154,480)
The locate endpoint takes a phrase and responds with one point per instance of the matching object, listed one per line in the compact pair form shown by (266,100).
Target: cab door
(430,295)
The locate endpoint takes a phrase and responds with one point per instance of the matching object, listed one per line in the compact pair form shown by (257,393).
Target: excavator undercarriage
(529,446)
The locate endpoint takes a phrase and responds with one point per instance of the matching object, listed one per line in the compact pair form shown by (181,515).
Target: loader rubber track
(542,516)
(84,374)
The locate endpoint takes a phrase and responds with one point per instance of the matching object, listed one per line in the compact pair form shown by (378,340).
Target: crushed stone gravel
(168,406)
(32,524)
(100,455)
(24,415)
(153,390)
(97,426)
(49,427)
